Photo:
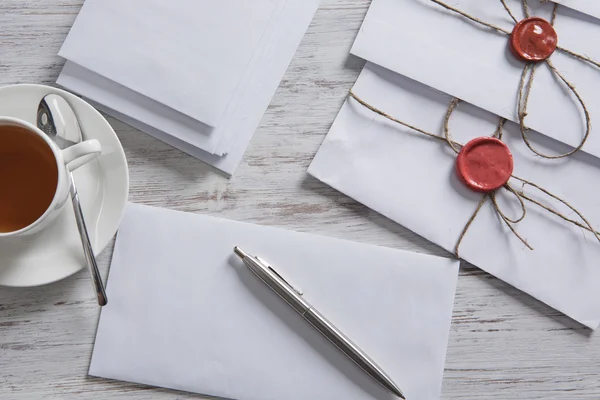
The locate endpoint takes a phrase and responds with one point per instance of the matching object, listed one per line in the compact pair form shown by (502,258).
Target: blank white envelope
(425,42)
(411,179)
(185,313)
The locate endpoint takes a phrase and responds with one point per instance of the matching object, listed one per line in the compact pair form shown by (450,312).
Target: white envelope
(411,179)
(188,55)
(590,7)
(185,313)
(424,41)
(222,147)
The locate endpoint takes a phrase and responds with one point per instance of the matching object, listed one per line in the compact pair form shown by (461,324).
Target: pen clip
(294,288)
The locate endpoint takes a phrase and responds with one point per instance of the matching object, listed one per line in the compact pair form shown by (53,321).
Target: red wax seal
(484,164)
(533,39)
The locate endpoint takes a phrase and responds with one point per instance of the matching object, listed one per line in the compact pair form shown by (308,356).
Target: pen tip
(396,390)
(239,252)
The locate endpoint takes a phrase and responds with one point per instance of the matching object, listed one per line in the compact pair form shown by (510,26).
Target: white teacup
(34,181)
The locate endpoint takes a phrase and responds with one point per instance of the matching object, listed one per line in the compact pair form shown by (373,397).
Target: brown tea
(28,178)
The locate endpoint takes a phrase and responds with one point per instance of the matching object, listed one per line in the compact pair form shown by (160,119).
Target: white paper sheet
(244,113)
(411,179)
(590,7)
(184,312)
(425,42)
(188,55)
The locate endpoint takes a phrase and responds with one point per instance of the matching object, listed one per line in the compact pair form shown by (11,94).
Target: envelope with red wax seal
(452,50)
(415,180)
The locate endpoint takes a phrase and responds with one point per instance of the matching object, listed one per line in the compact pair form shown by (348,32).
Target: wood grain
(503,345)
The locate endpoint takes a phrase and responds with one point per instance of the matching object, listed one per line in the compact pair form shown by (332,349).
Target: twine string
(579,56)
(463,233)
(587,225)
(472,18)
(526,9)
(554,12)
(451,109)
(508,11)
(508,222)
(500,129)
(396,120)
(503,217)
(524,91)
(510,189)
(520,195)
(523,100)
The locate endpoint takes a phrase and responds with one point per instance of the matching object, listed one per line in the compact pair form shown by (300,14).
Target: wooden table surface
(503,344)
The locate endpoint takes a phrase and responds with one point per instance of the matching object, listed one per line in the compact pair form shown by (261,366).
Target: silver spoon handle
(87,246)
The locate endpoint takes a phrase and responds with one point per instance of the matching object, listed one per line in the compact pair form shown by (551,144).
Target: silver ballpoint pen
(294,298)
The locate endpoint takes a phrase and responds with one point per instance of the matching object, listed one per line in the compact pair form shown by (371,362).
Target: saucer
(103,186)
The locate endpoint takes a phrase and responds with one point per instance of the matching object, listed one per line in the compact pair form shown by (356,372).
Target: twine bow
(519,194)
(528,75)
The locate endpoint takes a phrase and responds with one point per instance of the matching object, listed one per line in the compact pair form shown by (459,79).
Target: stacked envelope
(198,75)
(421,55)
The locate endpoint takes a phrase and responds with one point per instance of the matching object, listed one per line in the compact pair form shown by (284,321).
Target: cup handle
(81,153)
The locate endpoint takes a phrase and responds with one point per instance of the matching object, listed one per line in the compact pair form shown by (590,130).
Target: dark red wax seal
(533,39)
(484,164)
